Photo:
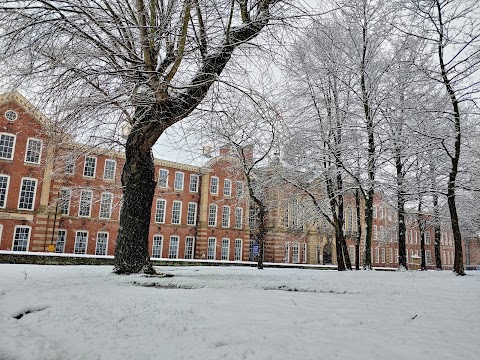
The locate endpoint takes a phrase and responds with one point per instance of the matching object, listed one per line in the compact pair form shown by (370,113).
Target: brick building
(60,196)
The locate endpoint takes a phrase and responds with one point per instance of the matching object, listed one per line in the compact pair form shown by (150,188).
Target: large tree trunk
(421,226)
(402,250)
(359,230)
(131,251)
(458,267)
(437,232)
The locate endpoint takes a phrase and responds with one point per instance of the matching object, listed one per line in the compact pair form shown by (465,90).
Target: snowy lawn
(86,312)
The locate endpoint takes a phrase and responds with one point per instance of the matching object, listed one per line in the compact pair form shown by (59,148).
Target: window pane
(211,248)
(102,241)
(89,167)
(163,178)
(60,244)
(193,183)
(3,190)
(106,205)
(34,149)
(178,181)
(157,246)
(212,215)
(160,211)
(20,240)
(214,185)
(109,170)
(27,194)
(173,249)
(189,240)
(85,203)
(6,146)
(80,242)
(225,249)
(176,212)
(192,214)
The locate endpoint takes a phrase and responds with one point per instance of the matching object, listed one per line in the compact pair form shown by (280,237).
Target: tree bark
(458,267)
(437,232)
(359,230)
(131,251)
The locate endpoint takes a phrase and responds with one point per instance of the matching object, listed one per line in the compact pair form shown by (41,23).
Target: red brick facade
(75,195)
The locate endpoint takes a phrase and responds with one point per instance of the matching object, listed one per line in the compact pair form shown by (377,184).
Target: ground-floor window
(173,247)
(102,242)
(238,249)
(61,238)
(81,238)
(157,246)
(295,253)
(304,253)
(212,242)
(21,238)
(225,249)
(189,241)
(286,257)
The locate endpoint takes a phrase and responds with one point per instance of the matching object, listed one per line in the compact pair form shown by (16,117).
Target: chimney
(207,151)
(225,150)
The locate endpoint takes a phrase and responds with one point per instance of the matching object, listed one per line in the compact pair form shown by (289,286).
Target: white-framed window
(411,255)
(176,212)
(377,255)
(212,215)
(102,243)
(416,252)
(85,205)
(295,252)
(390,256)
(11,115)
(238,250)
(396,256)
(443,257)
(286,256)
(61,239)
(21,238)
(90,166)
(193,183)
(4,181)
(382,233)
(351,253)
(214,185)
(189,244)
(226,216)
(211,248)
(374,211)
(227,187)
(106,205)
(239,188)
(381,212)
(225,249)
(411,236)
(304,252)
(34,151)
(238,217)
(375,233)
(448,257)
(428,240)
(428,257)
(7,146)
(383,256)
(178,184)
(109,169)
(26,200)
(441,240)
(192,214)
(157,246)
(163,178)
(389,215)
(173,247)
(81,238)
(64,201)
(349,219)
(416,237)
(69,164)
(160,211)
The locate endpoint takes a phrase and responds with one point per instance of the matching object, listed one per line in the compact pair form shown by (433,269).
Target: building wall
(46,220)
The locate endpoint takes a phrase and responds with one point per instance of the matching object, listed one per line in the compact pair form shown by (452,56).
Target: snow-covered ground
(86,312)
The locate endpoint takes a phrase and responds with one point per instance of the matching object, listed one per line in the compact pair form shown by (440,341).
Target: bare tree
(453,30)
(148,63)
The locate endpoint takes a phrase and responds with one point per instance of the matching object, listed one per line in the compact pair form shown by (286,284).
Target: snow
(86,312)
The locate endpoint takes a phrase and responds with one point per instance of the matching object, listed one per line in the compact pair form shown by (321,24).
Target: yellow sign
(51,248)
